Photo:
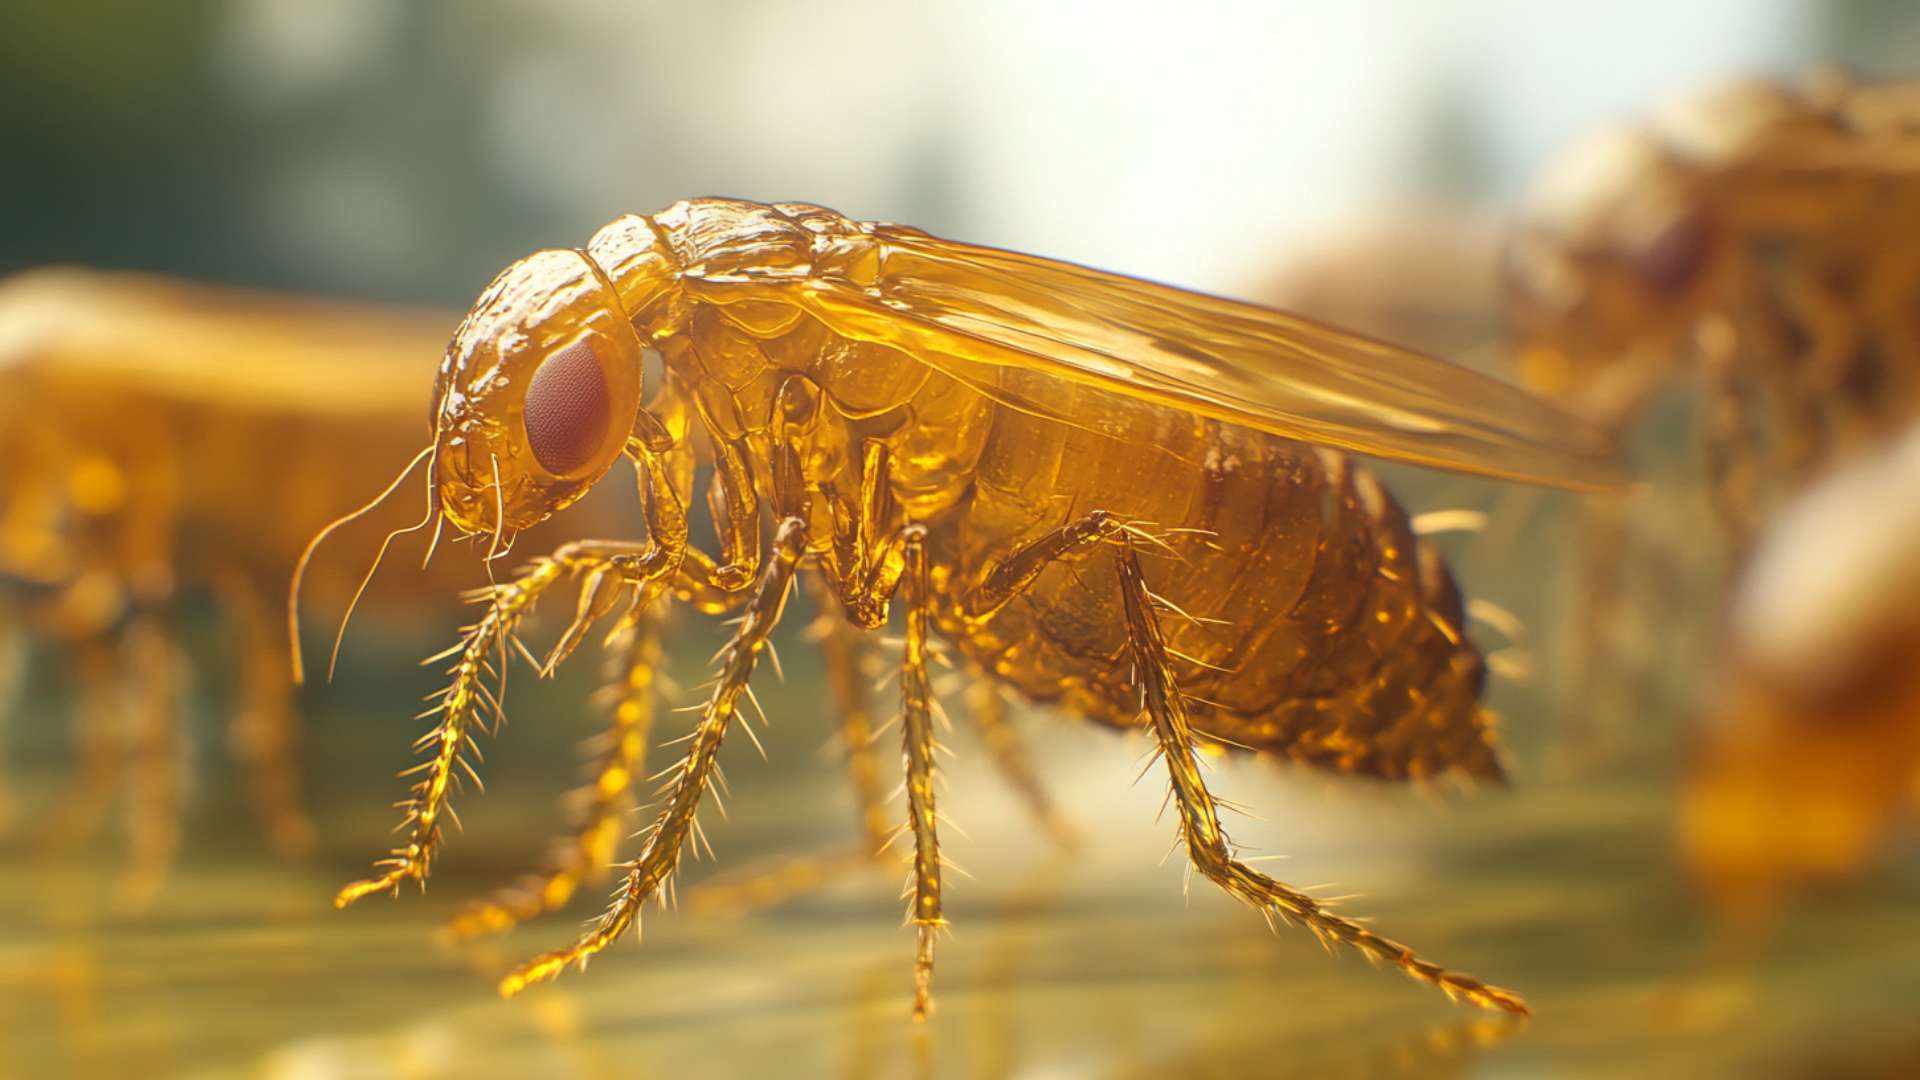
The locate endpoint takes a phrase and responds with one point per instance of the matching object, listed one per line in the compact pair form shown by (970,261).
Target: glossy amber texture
(1808,759)
(160,440)
(1760,240)
(1120,497)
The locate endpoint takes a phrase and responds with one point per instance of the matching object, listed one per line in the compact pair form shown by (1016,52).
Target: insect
(158,439)
(1810,753)
(1116,497)
(1758,245)
(1761,238)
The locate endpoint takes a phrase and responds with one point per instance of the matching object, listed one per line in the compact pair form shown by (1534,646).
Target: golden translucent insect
(157,438)
(1114,496)
(1760,239)
(1755,246)
(1810,754)
(160,439)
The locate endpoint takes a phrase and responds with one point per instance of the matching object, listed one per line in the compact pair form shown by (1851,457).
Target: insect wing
(958,307)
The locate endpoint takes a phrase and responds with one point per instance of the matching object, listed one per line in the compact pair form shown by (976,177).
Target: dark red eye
(1675,257)
(568,409)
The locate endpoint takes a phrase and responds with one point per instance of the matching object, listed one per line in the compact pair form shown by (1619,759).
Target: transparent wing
(959,307)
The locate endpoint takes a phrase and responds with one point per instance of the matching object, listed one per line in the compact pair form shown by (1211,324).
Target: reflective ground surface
(1086,963)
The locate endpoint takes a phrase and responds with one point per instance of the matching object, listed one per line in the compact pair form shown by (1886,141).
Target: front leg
(468,702)
(869,560)
(848,679)
(653,870)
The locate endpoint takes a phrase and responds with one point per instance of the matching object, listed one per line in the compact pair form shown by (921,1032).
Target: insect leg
(1733,475)
(97,724)
(869,562)
(1207,845)
(653,870)
(13,664)
(156,777)
(848,677)
(260,735)
(466,703)
(735,507)
(666,560)
(586,852)
(1011,575)
(917,744)
(988,708)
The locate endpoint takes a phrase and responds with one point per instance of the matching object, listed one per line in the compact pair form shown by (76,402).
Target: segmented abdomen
(1325,632)
(1321,628)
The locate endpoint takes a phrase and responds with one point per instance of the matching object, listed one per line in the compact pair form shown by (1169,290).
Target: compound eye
(567,410)
(1674,258)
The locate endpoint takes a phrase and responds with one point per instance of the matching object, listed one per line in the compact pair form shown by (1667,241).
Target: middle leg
(987,706)
(925,910)
(786,878)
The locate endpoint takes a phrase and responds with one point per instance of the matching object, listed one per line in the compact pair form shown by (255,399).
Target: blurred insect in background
(1427,275)
(1810,756)
(1113,496)
(1762,237)
(1758,243)
(159,438)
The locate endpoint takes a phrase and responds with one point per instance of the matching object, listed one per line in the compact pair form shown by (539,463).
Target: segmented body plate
(1322,629)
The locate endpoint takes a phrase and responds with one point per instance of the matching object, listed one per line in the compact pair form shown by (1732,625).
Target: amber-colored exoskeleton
(159,438)
(1756,246)
(1762,239)
(1810,753)
(1115,496)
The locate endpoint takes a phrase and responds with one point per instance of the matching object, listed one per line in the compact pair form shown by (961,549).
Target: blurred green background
(406,152)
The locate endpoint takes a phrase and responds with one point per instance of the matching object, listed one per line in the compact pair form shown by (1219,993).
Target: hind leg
(987,707)
(1207,845)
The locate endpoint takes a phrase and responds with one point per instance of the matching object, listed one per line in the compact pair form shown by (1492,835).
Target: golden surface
(1089,964)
